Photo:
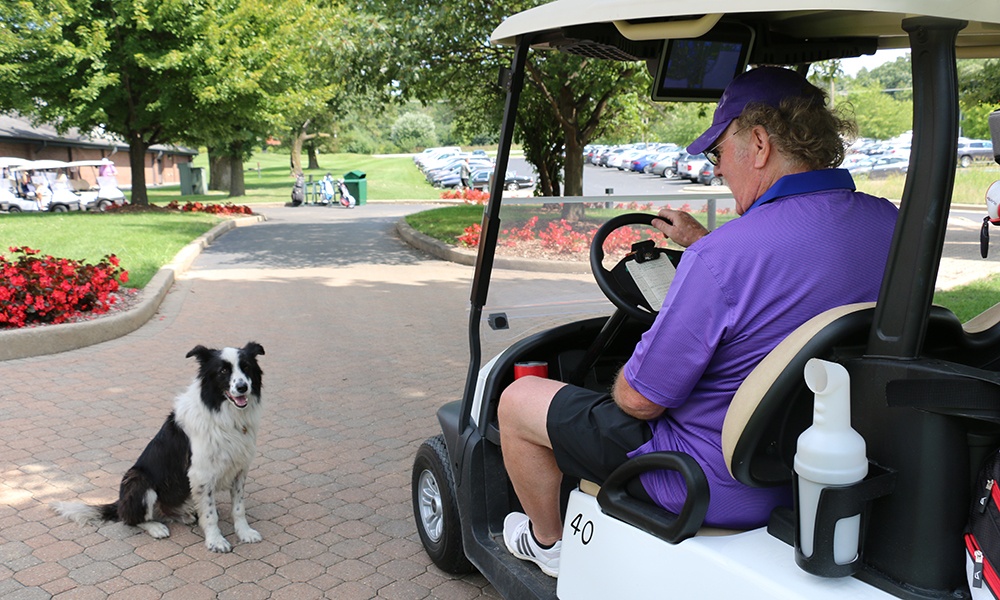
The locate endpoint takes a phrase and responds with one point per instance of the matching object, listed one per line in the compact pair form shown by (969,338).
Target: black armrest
(616,502)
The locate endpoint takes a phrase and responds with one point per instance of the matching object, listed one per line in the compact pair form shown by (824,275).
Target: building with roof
(20,138)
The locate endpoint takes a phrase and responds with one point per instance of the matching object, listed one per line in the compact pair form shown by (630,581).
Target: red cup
(537,368)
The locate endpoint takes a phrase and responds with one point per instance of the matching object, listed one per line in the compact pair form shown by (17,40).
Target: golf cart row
(924,387)
(54,186)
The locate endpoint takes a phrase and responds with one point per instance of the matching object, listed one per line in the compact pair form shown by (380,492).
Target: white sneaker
(522,544)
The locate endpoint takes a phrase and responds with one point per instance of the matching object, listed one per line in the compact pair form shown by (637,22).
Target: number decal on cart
(584,529)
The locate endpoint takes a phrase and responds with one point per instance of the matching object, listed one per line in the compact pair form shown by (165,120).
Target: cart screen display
(698,70)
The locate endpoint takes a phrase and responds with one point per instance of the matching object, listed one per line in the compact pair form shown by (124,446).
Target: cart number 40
(584,529)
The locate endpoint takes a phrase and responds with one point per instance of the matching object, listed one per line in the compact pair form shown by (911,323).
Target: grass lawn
(970,184)
(267,179)
(143,241)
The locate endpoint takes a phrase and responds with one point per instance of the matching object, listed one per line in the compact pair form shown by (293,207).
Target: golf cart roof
(796,32)
(86,163)
(11,161)
(39,165)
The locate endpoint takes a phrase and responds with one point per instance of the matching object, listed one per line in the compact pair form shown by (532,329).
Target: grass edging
(42,340)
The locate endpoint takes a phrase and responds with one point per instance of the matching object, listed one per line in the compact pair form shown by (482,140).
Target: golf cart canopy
(786,31)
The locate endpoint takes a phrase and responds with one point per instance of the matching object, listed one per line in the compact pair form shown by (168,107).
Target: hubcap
(431,513)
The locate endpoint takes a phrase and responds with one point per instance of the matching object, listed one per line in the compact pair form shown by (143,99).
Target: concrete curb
(37,341)
(443,251)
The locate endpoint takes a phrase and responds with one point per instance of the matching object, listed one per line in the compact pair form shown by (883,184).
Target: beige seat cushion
(760,380)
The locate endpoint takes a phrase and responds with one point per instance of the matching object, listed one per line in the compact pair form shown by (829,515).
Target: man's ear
(760,146)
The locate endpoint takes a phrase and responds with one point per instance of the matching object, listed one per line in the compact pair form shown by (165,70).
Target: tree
(413,131)
(878,115)
(444,52)
(122,66)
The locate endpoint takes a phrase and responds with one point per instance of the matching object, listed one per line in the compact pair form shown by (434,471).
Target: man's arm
(632,402)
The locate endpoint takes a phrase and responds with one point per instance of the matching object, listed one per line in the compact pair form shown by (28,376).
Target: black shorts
(591,436)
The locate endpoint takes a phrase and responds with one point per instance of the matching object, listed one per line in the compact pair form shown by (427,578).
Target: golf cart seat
(946,401)
(755,441)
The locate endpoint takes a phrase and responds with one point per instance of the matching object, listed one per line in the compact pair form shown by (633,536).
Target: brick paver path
(365,338)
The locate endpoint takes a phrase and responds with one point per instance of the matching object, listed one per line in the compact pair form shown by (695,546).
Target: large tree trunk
(313,158)
(137,161)
(219,172)
(238,178)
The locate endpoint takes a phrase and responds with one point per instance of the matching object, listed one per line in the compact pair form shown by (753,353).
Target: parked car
(707,176)
(886,166)
(481,180)
(689,166)
(667,167)
(973,150)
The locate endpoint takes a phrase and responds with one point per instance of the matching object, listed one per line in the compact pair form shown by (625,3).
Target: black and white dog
(205,445)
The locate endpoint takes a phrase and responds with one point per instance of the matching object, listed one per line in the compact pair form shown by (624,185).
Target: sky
(851,66)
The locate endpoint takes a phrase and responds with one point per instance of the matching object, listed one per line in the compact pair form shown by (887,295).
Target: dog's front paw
(248,535)
(218,544)
(156,529)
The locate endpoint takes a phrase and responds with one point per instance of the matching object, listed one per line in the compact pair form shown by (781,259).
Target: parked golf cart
(108,192)
(8,188)
(924,388)
(49,189)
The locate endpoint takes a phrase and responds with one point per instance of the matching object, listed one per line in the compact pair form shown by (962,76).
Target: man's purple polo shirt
(809,244)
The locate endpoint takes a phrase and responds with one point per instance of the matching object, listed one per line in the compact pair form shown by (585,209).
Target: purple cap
(766,85)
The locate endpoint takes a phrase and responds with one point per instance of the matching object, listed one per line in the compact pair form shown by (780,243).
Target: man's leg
(527,453)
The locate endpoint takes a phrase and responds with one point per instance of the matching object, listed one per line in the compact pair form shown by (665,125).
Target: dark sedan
(513,181)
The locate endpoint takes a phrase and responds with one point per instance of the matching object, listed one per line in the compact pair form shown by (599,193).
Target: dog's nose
(242,387)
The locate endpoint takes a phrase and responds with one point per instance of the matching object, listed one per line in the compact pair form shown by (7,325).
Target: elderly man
(806,242)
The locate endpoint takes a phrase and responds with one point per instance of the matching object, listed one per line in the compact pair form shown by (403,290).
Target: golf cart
(108,192)
(924,388)
(48,190)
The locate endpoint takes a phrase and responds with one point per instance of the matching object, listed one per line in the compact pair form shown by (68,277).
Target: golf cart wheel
(14,209)
(59,208)
(104,205)
(435,510)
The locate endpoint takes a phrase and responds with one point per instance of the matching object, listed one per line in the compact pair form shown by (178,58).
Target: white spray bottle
(829,453)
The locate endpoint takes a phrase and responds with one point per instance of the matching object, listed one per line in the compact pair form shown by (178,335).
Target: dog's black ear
(253,349)
(200,352)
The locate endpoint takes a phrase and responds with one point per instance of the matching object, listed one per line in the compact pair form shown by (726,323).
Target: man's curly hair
(803,129)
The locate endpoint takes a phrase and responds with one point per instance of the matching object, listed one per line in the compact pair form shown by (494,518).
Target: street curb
(38,341)
(443,251)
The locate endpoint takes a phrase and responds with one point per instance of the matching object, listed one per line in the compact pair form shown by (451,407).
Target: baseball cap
(766,85)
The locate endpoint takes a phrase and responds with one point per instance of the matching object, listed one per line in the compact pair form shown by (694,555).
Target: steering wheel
(617,284)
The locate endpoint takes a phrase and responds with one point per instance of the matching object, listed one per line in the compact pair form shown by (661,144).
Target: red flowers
(469,195)
(43,289)
(216,209)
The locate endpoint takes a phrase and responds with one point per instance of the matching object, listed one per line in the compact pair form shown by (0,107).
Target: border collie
(205,445)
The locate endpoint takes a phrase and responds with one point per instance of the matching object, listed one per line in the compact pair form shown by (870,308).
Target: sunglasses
(713,154)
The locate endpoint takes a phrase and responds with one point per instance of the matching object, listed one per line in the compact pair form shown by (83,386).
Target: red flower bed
(470,196)
(227,208)
(42,289)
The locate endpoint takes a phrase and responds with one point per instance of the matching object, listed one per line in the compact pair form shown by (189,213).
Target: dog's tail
(83,514)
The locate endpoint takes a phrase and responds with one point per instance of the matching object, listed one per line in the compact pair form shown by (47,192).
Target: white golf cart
(108,192)
(48,190)
(924,388)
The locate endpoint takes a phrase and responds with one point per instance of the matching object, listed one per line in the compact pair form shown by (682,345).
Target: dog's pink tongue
(240,401)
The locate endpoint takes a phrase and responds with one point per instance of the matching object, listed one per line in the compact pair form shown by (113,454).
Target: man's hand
(679,226)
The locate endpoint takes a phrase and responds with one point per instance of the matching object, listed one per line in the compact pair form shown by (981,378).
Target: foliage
(413,131)
(123,67)
(43,289)
(877,114)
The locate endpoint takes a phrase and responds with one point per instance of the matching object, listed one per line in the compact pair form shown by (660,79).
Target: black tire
(512,186)
(59,208)
(965,161)
(13,209)
(715,180)
(435,510)
(103,205)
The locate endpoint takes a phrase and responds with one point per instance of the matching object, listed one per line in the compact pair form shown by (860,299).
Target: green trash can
(357,184)
(192,180)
